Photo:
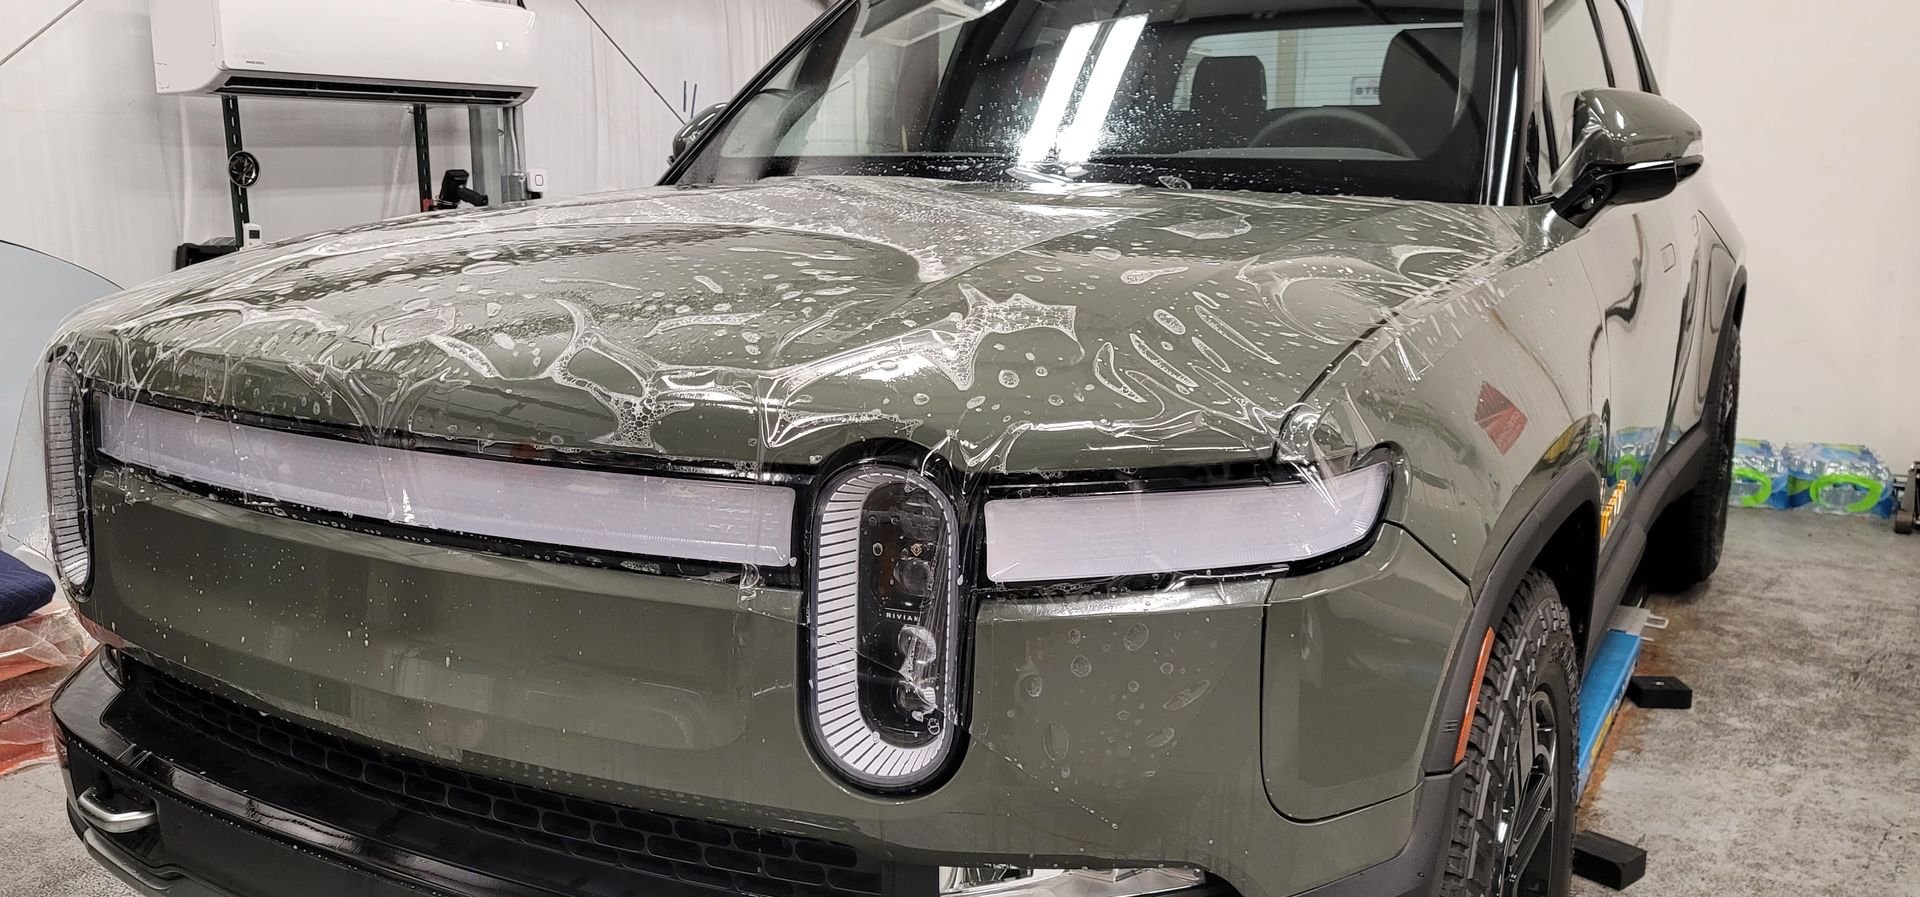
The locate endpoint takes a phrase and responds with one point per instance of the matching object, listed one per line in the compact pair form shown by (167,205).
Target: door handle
(113,822)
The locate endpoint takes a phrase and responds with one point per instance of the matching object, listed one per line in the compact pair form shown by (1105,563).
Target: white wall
(594,125)
(105,173)
(1814,141)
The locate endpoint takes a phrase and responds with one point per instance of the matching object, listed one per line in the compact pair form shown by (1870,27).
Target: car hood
(1011,327)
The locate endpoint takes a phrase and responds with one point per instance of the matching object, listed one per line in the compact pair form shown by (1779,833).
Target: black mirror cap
(695,128)
(1604,186)
(1632,147)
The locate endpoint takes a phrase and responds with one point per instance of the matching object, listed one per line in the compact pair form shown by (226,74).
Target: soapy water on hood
(980,322)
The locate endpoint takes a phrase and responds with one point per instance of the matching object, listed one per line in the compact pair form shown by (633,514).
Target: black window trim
(1554,150)
(1600,38)
(1636,46)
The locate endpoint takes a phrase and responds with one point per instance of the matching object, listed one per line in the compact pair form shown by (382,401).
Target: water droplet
(1009,379)
(1136,637)
(1073,636)
(921,398)
(1188,695)
(1081,666)
(1166,669)
(976,401)
(1160,739)
(1056,742)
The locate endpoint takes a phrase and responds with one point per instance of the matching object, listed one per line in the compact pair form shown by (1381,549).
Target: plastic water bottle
(1759,476)
(1839,478)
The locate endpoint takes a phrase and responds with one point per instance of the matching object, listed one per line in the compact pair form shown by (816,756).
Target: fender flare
(1575,490)
(1734,313)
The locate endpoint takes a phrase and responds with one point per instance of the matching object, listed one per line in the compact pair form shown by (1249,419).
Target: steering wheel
(1376,132)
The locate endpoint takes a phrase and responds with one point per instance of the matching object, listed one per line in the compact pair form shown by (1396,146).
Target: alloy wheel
(1530,803)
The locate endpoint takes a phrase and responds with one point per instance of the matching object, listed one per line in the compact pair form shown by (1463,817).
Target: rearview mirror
(1628,147)
(691,132)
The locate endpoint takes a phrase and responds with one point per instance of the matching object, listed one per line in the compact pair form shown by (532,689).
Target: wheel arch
(1737,313)
(1560,534)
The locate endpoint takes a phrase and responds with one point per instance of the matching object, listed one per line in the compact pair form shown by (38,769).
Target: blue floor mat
(23,590)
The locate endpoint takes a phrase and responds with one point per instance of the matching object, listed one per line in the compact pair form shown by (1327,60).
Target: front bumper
(1267,732)
(179,791)
(211,818)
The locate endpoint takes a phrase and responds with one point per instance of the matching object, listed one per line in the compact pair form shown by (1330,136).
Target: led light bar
(62,420)
(1097,536)
(656,516)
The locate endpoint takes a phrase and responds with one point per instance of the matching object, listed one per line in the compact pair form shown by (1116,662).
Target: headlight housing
(1105,535)
(884,626)
(64,423)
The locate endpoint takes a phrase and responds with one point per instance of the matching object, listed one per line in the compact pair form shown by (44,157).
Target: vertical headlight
(883,627)
(63,421)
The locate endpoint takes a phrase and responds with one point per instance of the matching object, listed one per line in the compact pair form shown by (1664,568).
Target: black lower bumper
(200,801)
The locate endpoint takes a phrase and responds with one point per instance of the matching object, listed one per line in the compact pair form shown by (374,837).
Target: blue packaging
(1838,478)
(1759,476)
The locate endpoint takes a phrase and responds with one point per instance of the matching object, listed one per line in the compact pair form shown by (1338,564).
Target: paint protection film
(939,519)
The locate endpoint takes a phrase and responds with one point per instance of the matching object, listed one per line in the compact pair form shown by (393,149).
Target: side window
(1574,62)
(1620,47)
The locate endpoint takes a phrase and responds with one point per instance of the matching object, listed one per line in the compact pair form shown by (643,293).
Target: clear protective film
(24,522)
(944,520)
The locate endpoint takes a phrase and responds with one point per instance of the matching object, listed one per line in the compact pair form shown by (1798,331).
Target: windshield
(1368,97)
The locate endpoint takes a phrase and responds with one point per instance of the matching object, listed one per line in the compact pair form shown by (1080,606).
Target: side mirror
(1629,147)
(691,132)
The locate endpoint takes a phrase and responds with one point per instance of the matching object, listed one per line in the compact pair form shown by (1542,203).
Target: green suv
(1081,448)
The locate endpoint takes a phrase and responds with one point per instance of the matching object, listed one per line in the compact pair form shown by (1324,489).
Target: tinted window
(1346,96)
(1574,62)
(1620,49)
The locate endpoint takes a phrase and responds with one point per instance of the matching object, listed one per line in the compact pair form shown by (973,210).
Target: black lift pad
(1616,864)
(1659,693)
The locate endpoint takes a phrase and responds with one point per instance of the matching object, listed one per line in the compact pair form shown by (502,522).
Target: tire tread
(1534,629)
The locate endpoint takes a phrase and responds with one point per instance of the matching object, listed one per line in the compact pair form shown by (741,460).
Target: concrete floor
(1797,772)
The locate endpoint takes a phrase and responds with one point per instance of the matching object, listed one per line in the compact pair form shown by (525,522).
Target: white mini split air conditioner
(469,52)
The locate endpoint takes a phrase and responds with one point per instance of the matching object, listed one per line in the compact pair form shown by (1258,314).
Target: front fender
(1492,397)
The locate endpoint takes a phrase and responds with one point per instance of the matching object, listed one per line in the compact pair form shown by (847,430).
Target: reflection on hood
(1009,326)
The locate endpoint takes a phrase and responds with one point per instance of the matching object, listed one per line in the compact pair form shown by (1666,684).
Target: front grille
(732,858)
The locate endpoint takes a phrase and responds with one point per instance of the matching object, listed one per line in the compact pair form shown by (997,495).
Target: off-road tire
(1684,548)
(1533,660)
